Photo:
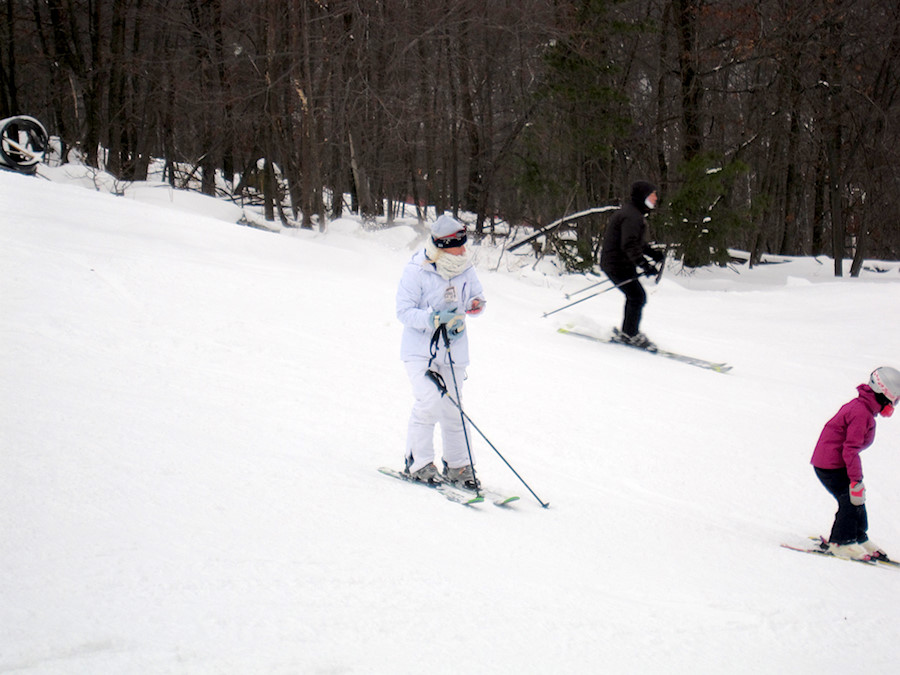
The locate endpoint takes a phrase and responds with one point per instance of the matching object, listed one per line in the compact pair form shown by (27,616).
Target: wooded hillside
(769,126)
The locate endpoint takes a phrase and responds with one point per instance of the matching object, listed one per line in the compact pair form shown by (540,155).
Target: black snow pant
(635,297)
(851,523)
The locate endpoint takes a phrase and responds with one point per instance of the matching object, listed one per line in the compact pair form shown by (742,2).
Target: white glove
(857,493)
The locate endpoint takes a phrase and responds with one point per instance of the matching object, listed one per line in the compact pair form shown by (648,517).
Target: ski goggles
(451,240)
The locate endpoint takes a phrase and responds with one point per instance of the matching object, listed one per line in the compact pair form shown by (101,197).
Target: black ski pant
(635,297)
(851,523)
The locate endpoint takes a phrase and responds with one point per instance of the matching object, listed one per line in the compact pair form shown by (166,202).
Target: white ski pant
(431,408)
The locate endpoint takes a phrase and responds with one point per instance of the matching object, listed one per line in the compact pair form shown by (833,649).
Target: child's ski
(821,548)
(451,492)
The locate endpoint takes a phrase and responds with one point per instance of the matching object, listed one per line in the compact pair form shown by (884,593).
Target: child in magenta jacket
(837,463)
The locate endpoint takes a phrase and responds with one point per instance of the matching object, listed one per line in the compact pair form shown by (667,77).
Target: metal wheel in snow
(23,142)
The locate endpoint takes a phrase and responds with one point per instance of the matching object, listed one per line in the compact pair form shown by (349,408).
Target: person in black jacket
(624,250)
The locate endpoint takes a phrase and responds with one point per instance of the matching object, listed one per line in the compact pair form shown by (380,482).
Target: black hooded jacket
(624,243)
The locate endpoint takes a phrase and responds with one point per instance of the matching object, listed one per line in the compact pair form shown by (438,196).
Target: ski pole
(592,295)
(442,329)
(587,288)
(439,383)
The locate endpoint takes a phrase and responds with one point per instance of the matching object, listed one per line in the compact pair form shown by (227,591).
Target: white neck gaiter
(447,265)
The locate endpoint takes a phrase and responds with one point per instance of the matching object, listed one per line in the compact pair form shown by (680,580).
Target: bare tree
(768,125)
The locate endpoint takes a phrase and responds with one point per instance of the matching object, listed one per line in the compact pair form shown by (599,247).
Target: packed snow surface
(193,414)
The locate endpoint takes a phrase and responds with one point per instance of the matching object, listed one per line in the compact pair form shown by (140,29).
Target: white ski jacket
(422,292)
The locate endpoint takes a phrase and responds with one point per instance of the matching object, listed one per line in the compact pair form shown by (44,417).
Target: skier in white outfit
(439,287)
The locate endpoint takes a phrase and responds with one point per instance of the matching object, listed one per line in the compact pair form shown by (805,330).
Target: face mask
(887,410)
(649,203)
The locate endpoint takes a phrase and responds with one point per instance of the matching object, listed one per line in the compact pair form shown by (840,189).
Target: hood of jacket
(639,193)
(867,396)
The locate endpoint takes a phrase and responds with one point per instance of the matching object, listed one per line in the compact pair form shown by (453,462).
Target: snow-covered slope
(193,413)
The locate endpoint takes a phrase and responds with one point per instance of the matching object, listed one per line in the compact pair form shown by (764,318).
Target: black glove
(658,256)
(650,270)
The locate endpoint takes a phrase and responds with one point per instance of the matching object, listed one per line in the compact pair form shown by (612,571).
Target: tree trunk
(835,192)
(366,207)
(9,97)
(686,17)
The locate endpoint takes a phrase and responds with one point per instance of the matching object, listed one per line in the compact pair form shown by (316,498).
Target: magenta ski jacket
(848,433)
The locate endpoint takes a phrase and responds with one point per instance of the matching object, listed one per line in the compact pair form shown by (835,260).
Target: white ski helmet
(886,380)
